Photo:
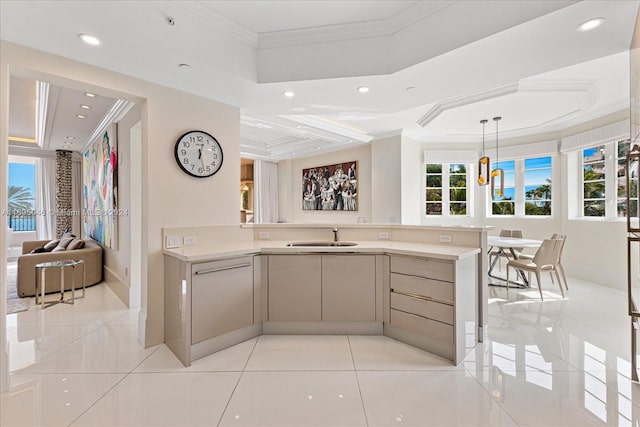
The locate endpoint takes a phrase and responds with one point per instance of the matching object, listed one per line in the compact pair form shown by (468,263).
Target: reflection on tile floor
(552,363)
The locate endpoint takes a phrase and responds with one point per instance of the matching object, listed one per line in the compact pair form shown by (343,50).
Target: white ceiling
(271,16)
(434,68)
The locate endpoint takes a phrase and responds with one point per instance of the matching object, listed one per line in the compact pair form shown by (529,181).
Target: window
(446,192)
(20,198)
(621,157)
(593,179)
(504,204)
(527,187)
(604,193)
(537,186)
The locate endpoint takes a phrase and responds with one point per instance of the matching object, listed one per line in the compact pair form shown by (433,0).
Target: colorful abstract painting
(100,189)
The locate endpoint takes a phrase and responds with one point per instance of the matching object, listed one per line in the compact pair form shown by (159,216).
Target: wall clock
(198,154)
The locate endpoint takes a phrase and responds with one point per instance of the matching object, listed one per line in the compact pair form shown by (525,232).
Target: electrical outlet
(445,238)
(263,235)
(190,240)
(172,242)
(383,235)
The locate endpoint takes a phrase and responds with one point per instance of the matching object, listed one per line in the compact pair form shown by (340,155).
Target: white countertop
(205,253)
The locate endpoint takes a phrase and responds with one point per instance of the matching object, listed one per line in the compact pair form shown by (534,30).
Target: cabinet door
(222,297)
(294,287)
(348,288)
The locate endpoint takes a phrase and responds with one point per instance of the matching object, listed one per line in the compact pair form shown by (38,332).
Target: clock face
(198,154)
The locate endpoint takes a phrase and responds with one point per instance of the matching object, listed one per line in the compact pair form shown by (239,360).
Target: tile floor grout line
(115,385)
(364,410)
(224,411)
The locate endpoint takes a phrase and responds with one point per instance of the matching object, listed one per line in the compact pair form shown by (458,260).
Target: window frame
(446,190)
(611,181)
(519,189)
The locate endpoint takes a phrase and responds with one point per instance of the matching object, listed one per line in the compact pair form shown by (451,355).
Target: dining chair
(545,259)
(495,252)
(562,238)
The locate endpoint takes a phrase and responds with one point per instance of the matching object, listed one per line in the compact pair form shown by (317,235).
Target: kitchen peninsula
(400,281)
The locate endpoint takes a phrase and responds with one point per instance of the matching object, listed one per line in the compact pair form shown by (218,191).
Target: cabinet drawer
(428,268)
(432,310)
(204,268)
(442,291)
(420,325)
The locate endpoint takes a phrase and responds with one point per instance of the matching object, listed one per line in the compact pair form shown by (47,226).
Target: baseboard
(117,285)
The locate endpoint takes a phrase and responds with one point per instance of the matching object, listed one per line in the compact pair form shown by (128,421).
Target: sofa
(91,254)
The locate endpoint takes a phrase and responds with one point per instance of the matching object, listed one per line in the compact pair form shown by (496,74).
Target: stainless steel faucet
(335,234)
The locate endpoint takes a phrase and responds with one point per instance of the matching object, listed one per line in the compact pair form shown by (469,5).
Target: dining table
(504,244)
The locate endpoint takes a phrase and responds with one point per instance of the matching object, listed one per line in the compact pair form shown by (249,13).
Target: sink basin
(322,244)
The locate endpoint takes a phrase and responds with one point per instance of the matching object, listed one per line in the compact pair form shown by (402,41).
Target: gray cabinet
(221,297)
(348,288)
(434,300)
(295,288)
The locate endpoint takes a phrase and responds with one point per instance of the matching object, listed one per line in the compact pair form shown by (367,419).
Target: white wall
(117,262)
(386,180)
(290,183)
(170,197)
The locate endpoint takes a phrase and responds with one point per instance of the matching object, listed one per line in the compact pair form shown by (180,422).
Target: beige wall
(290,187)
(170,197)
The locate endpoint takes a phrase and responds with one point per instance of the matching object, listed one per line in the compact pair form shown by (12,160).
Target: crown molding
(202,11)
(42,103)
(460,101)
(354,30)
(119,109)
(335,128)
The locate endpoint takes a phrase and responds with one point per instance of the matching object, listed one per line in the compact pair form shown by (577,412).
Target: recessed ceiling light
(293,154)
(363,89)
(299,127)
(85,106)
(88,39)
(90,95)
(81,116)
(591,24)
(184,66)
(351,140)
(71,138)
(289,94)
(317,148)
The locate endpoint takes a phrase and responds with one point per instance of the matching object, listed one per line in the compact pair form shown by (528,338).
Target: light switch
(172,242)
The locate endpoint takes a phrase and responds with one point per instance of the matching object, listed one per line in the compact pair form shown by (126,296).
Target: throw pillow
(51,245)
(38,250)
(64,242)
(75,244)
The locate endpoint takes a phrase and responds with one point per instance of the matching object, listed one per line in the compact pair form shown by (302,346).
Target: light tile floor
(552,363)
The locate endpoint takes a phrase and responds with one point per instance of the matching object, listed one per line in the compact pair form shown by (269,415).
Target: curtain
(265,185)
(76,200)
(45,198)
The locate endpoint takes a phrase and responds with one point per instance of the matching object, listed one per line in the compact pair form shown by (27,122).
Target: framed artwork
(100,189)
(331,187)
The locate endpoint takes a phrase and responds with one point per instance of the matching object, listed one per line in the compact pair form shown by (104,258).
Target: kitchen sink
(322,244)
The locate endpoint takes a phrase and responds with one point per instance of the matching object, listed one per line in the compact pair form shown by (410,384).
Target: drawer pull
(422,297)
(215,270)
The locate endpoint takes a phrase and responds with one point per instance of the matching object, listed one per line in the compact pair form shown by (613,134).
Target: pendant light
(484,164)
(497,172)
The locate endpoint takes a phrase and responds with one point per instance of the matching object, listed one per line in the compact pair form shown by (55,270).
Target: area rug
(14,303)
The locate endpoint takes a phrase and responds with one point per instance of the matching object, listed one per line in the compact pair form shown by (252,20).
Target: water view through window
(21,197)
